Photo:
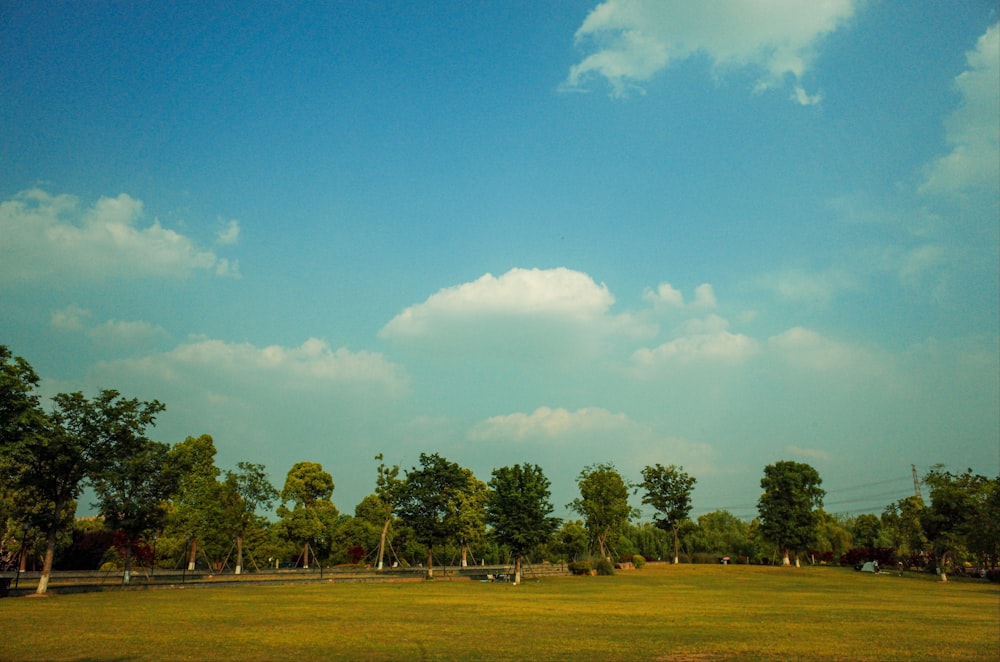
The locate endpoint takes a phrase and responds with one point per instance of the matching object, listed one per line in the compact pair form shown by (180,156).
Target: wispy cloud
(629,42)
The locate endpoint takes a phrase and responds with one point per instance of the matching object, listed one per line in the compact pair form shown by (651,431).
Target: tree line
(172,506)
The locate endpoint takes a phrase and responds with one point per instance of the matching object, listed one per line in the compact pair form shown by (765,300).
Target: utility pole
(916,483)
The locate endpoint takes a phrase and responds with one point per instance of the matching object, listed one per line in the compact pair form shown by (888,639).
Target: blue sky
(715,235)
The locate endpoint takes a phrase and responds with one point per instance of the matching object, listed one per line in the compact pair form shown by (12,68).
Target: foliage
(604,567)
(638,560)
(312,517)
(580,567)
(963,516)
(901,522)
(431,500)
(569,543)
(787,506)
(603,503)
(519,510)
(668,491)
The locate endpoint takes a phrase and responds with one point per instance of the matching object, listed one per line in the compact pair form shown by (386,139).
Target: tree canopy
(603,504)
(519,509)
(668,490)
(787,508)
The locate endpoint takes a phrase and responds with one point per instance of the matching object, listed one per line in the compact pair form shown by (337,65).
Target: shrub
(993,574)
(638,560)
(605,567)
(579,567)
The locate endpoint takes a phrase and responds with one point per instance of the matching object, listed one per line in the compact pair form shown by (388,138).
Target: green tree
(519,510)
(385,500)
(197,507)
(902,523)
(246,491)
(866,530)
(668,491)
(312,517)
(788,506)
(571,542)
(430,501)
(43,460)
(961,517)
(132,475)
(603,503)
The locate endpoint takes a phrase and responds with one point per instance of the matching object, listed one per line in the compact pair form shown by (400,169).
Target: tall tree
(603,503)
(132,475)
(197,510)
(470,513)
(902,522)
(43,459)
(430,501)
(787,508)
(962,516)
(311,519)
(668,490)
(519,510)
(246,491)
(386,498)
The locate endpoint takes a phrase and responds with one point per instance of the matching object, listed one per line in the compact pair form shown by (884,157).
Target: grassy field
(687,612)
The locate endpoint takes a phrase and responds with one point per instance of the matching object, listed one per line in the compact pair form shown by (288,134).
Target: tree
(198,504)
(470,513)
(132,475)
(668,490)
(519,510)
(248,490)
(385,499)
(962,517)
(788,506)
(43,459)
(603,503)
(312,517)
(902,523)
(430,501)
(866,530)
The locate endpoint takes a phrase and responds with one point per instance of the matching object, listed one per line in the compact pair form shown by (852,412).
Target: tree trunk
(784,558)
(192,554)
(50,552)
(517,571)
(239,554)
(381,543)
(305,556)
(430,562)
(676,546)
(465,555)
(127,574)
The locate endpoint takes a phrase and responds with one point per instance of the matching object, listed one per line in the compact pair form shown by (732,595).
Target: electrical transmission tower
(916,483)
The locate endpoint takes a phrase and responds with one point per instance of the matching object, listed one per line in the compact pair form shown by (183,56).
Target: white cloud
(811,287)
(312,363)
(519,292)
(666,296)
(229,233)
(117,333)
(548,423)
(719,346)
(809,453)
(70,318)
(630,41)
(557,318)
(46,236)
(112,332)
(805,348)
(972,130)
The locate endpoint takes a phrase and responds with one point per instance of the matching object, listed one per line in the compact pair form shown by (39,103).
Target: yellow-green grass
(686,612)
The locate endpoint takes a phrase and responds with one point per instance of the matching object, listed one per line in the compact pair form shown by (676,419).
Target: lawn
(687,612)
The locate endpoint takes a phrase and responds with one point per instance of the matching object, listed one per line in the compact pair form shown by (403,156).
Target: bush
(605,567)
(638,560)
(580,567)
(993,574)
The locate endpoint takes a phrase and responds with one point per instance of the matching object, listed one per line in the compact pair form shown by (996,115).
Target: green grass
(686,612)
